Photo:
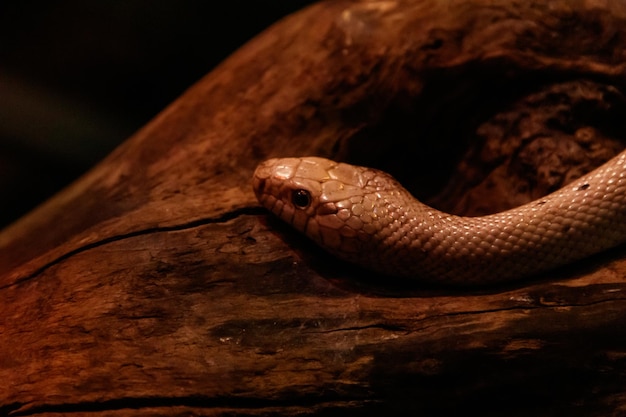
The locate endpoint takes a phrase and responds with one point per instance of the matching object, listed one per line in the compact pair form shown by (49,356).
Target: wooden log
(155,285)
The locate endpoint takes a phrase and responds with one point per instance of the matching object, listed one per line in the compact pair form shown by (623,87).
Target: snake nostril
(259,186)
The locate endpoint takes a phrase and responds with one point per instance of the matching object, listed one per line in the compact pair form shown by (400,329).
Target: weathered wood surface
(156,286)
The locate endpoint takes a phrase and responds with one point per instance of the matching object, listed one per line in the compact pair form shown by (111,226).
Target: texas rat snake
(364,216)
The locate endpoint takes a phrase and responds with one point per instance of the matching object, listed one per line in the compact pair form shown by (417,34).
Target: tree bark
(155,285)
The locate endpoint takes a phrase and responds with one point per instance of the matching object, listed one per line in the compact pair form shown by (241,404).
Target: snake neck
(410,239)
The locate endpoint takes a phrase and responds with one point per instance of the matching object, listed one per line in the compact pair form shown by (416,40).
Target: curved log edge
(155,285)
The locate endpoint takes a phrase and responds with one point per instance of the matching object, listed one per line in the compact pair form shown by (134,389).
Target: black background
(78,78)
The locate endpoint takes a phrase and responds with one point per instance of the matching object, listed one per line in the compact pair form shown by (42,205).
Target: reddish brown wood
(155,285)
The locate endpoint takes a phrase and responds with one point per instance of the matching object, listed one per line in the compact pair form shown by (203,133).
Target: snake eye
(301,198)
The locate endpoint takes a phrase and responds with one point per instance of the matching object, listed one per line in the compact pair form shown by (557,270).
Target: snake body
(364,216)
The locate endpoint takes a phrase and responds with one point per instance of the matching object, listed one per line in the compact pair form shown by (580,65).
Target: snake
(364,216)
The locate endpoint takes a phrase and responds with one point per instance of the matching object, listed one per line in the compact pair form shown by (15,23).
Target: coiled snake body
(364,216)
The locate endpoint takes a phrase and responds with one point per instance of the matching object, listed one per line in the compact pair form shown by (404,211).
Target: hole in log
(475,149)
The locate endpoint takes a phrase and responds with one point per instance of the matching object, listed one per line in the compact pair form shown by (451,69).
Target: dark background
(78,78)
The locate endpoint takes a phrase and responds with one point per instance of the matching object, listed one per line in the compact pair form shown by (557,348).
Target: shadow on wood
(155,285)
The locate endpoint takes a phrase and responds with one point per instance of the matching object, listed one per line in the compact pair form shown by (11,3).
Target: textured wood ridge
(155,285)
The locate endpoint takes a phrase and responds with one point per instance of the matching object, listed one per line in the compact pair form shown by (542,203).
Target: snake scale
(365,216)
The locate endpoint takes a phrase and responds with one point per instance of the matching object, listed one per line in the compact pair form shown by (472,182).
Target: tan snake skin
(364,216)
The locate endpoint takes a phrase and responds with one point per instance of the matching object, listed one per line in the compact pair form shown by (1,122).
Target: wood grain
(155,285)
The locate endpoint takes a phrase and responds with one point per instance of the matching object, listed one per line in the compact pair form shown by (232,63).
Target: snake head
(328,201)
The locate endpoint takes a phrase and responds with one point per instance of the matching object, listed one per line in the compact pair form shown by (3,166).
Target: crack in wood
(244,211)
(199,402)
